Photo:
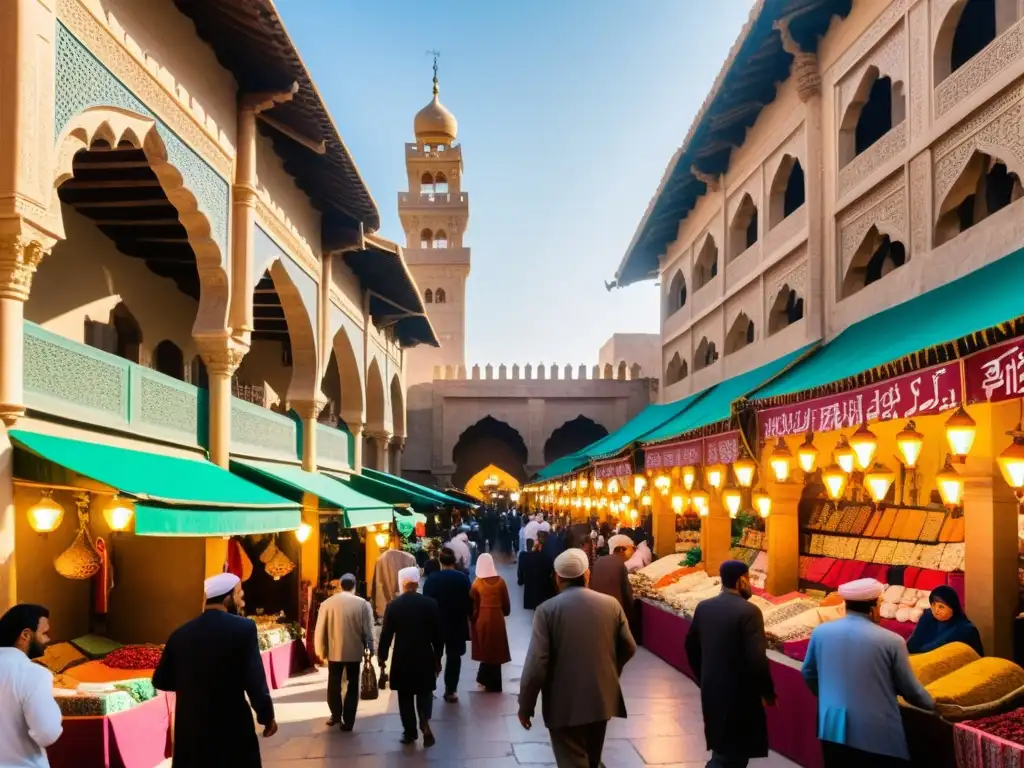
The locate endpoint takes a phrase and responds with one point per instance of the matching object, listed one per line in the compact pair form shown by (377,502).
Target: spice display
(952,558)
(886,523)
(1008,726)
(76,704)
(986,682)
(872,526)
(866,549)
(952,530)
(929,667)
(861,521)
(134,657)
(932,527)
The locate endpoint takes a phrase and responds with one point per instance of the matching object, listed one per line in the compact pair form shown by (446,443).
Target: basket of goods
(134,657)
(80,560)
(929,667)
(978,688)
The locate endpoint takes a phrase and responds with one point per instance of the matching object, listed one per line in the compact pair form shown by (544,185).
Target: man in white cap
(413,621)
(588,634)
(212,663)
(609,576)
(857,669)
(384,587)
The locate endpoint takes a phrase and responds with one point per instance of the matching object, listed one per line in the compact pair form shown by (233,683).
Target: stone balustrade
(541,372)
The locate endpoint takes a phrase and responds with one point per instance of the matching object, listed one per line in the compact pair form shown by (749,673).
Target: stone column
(397,446)
(8,564)
(991,531)
(308,411)
(663,524)
(715,535)
(356,459)
(784,538)
(222,358)
(310,548)
(380,443)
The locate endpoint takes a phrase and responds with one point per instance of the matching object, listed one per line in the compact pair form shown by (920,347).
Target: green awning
(400,482)
(716,405)
(180,496)
(384,491)
(562,466)
(355,505)
(975,302)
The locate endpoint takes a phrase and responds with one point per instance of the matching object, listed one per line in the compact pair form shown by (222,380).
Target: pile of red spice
(1009,726)
(134,657)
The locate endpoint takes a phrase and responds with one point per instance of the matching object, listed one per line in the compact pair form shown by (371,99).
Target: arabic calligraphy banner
(615,468)
(995,374)
(719,449)
(921,393)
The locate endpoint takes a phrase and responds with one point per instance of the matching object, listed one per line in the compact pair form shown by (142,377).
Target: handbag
(368,689)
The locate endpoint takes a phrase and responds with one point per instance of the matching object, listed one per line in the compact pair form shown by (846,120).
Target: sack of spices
(80,560)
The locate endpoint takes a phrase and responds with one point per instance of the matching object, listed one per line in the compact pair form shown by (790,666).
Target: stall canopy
(716,405)
(929,329)
(400,482)
(379,489)
(359,509)
(175,496)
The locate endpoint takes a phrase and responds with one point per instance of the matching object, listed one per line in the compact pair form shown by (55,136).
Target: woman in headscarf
(490,607)
(945,623)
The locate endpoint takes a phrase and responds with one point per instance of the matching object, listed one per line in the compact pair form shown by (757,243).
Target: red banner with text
(718,449)
(996,373)
(605,470)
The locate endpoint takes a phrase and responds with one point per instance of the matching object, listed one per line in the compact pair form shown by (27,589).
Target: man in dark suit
(609,575)
(212,663)
(580,643)
(450,588)
(726,649)
(413,621)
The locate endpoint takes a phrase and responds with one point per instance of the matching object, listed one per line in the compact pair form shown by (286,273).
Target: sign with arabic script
(616,468)
(921,393)
(718,449)
(996,373)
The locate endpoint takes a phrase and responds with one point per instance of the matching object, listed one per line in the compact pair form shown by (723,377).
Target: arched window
(440,239)
(787,309)
(705,355)
(426,238)
(168,359)
(676,371)
(120,336)
(967,29)
(706,267)
(787,190)
(877,256)
(439,297)
(197,375)
(743,231)
(441,184)
(984,187)
(428,297)
(740,334)
(877,106)
(426,184)
(676,297)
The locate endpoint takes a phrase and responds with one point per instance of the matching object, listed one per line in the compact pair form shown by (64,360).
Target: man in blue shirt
(857,669)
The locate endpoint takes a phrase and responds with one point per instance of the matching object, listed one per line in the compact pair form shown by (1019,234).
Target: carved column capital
(805,65)
(398,441)
(222,356)
(308,409)
(20,255)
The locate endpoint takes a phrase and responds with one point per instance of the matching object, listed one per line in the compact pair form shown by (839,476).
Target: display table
(977,749)
(141,737)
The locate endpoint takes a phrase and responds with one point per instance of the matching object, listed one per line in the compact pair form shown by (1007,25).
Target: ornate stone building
(849,157)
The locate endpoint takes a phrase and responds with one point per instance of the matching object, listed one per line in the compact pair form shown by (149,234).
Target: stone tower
(434,214)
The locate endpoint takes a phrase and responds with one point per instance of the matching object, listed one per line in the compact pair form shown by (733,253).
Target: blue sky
(568,111)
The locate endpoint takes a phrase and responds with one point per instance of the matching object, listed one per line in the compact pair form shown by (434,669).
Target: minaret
(434,214)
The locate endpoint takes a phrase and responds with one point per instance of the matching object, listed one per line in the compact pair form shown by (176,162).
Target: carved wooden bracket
(805,65)
(713,183)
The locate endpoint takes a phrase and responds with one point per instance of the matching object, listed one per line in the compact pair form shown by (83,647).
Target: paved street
(664,726)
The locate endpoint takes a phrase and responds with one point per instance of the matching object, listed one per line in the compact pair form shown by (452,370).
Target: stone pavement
(664,726)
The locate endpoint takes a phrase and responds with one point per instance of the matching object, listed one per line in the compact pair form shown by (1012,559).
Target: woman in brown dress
(490,607)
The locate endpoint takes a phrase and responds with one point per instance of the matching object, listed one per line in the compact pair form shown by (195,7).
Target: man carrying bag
(344,634)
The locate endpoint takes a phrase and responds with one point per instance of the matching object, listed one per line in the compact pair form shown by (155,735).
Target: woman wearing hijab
(945,623)
(490,607)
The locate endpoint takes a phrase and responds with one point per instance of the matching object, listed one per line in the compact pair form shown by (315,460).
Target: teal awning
(716,405)
(400,482)
(178,496)
(379,489)
(562,466)
(975,302)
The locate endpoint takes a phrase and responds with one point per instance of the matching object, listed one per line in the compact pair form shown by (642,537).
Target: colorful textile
(819,568)
(933,523)
(874,571)
(975,748)
(817,544)
(956,581)
(910,576)
(902,553)
(851,571)
(886,549)
(805,565)
(834,577)
(866,549)
(848,550)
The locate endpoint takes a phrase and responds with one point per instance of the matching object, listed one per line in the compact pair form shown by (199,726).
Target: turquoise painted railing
(333,447)
(77,382)
(259,432)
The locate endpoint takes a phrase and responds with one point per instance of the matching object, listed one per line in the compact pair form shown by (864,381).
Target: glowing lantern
(688,475)
(807,454)
(715,475)
(951,485)
(598,483)
(663,483)
(744,468)
(960,431)
(865,445)
(46,515)
(632,515)
(878,481)
(602,503)
(119,513)
(781,459)
(625,500)
(645,501)
(639,481)
(732,498)
(834,478)
(583,483)
(844,455)
(613,486)
(382,539)
(1011,461)
(701,501)
(302,532)
(588,503)
(762,503)
(678,503)
(910,441)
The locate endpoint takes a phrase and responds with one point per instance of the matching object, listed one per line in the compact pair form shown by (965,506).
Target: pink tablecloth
(792,725)
(977,749)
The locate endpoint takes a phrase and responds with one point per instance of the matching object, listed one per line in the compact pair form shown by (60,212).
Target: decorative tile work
(885,208)
(83,82)
(890,146)
(260,432)
(993,59)
(332,446)
(165,405)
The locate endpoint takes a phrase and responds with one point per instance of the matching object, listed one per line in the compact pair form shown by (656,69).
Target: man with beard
(212,663)
(726,649)
(30,719)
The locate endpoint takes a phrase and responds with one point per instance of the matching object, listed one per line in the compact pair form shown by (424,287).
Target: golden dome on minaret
(434,124)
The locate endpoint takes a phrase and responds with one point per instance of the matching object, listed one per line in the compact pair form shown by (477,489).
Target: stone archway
(397,407)
(489,441)
(572,436)
(342,383)
(376,399)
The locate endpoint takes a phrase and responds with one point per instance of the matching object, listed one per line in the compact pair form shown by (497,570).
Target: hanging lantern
(762,502)
(302,532)
(715,476)
(834,478)
(688,474)
(864,445)
(878,482)
(951,485)
(613,486)
(46,515)
(602,503)
(663,483)
(910,441)
(639,481)
(381,539)
(583,482)
(598,483)
(844,455)
(960,432)
(118,513)
(624,500)
(781,460)
(701,501)
(645,501)
(678,503)
(744,467)
(807,454)
(633,515)
(732,499)
(1011,461)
